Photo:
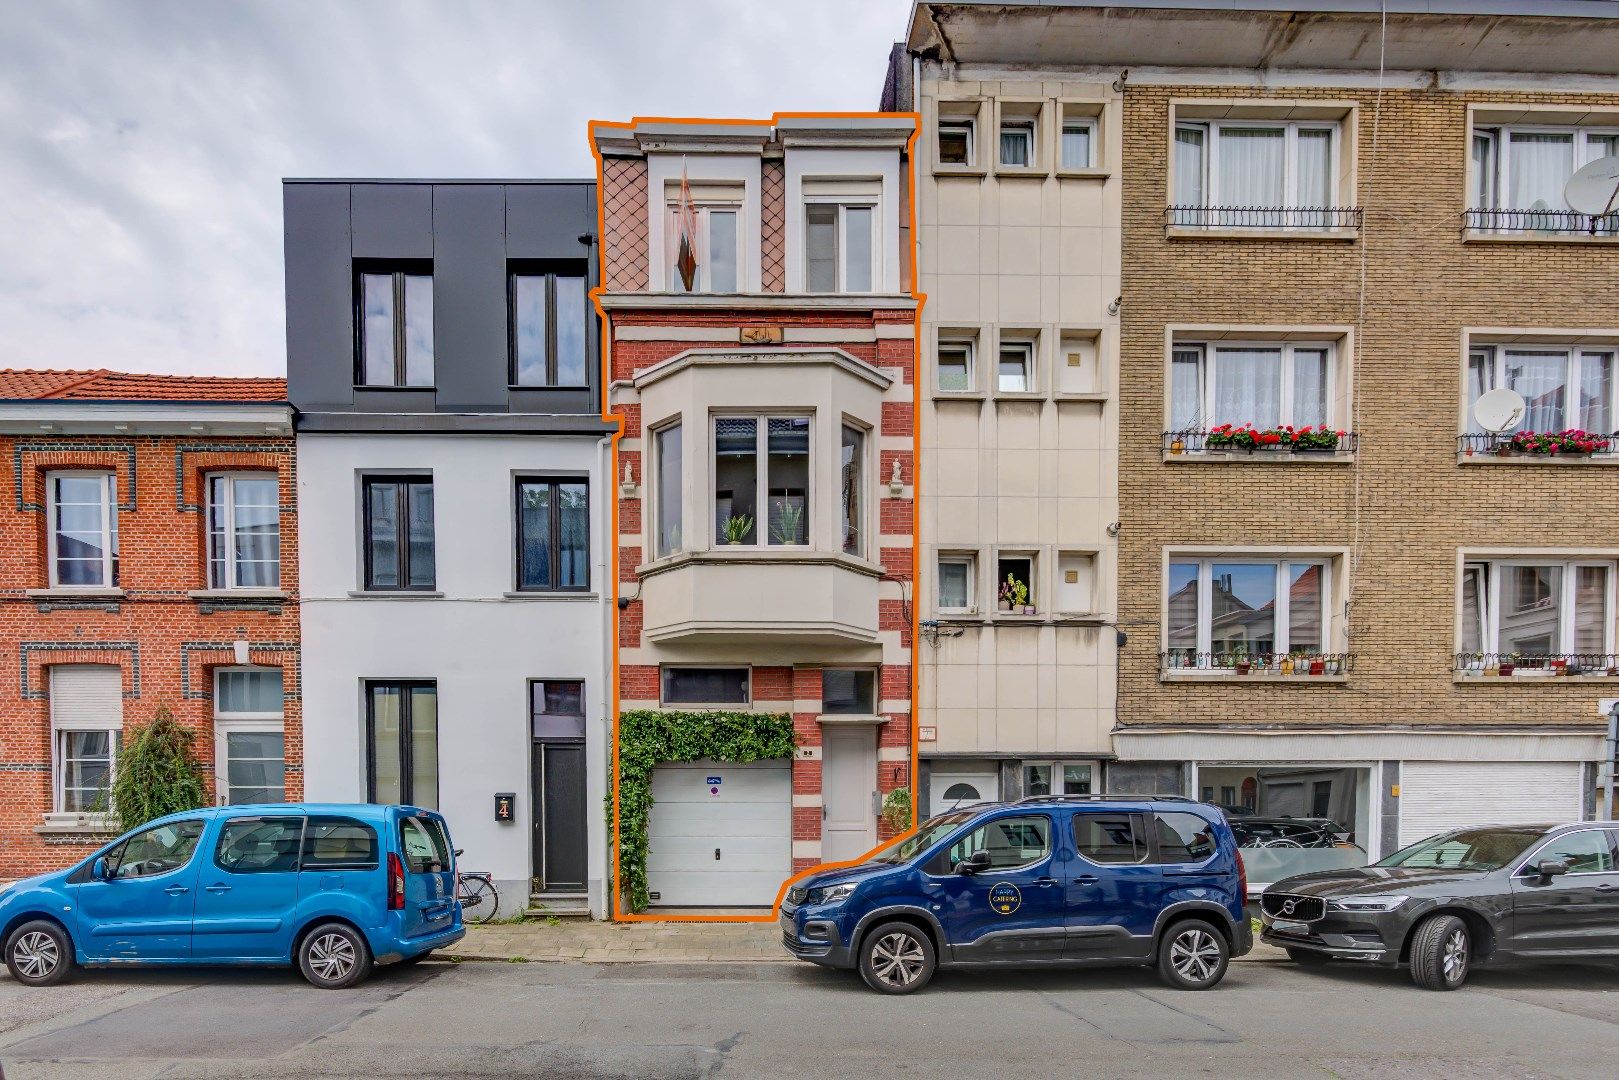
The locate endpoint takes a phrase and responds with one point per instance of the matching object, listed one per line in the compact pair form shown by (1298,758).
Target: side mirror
(1550,868)
(100,870)
(459,852)
(976,863)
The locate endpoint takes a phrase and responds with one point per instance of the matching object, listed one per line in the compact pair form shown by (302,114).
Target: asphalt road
(666,1021)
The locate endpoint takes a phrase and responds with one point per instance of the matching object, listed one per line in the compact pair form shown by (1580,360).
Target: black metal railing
(1210,442)
(1507,445)
(1303,665)
(1487,665)
(1540,221)
(1263,217)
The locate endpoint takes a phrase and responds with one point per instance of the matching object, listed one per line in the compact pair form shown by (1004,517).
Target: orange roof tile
(107,385)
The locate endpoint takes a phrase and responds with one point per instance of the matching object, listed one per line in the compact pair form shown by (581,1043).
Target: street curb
(464,959)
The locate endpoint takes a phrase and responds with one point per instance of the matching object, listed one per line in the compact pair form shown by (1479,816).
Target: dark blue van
(1060,880)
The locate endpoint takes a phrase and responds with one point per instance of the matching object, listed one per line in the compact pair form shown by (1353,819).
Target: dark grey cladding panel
(545,221)
(469,296)
(320,311)
(393,221)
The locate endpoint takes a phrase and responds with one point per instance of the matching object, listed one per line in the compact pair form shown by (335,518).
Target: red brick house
(148,557)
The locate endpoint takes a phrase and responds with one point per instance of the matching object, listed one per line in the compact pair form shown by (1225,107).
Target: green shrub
(156,773)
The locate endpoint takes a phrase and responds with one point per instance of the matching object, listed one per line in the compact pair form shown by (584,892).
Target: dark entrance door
(559,818)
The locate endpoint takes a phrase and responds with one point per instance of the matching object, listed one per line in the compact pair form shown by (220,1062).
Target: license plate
(1283,926)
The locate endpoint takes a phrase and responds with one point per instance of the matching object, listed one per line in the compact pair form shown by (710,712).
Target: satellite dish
(1594,189)
(1498,410)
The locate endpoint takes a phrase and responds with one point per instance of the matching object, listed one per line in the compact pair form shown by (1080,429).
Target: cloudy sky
(142,142)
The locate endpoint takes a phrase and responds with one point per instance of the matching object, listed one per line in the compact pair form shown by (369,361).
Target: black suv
(1485,894)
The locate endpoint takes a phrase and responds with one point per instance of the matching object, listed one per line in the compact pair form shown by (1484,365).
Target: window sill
(395,594)
(1482,679)
(395,389)
(959,395)
(1096,396)
(1537,459)
(77,825)
(958,170)
(1262,457)
(1487,236)
(780,554)
(68,592)
(1224,677)
(1034,172)
(237,594)
(1197,232)
(835,719)
(1019,395)
(1084,174)
(553,595)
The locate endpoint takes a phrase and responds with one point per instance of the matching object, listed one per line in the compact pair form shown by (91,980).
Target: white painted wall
(480,644)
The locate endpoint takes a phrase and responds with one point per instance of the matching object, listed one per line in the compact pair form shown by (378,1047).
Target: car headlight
(831,894)
(1368,903)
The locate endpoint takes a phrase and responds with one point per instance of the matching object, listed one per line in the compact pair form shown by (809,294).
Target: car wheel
(1307,957)
(39,953)
(1193,956)
(897,958)
(1441,953)
(333,956)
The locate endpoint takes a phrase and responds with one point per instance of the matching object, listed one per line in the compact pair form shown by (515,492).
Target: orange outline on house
(916,475)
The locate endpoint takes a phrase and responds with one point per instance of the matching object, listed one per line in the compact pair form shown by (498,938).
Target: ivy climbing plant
(648,738)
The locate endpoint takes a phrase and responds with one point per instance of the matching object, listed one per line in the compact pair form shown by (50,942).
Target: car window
(339,843)
(1109,838)
(1587,852)
(422,842)
(156,850)
(1184,838)
(1010,841)
(1479,849)
(257,845)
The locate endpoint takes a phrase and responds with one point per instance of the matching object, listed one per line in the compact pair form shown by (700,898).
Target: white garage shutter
(1440,795)
(747,817)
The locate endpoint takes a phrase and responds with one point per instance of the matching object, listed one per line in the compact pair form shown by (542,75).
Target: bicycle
(475,890)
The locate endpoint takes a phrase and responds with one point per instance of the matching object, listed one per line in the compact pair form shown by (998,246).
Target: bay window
(1268,384)
(718,255)
(1526,168)
(1562,387)
(1530,609)
(1226,608)
(83,533)
(840,246)
(761,465)
(244,531)
(1255,173)
(667,490)
(851,470)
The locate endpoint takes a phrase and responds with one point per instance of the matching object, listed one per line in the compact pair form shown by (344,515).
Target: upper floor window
(244,531)
(1267,384)
(713,241)
(761,463)
(1251,169)
(1078,149)
(957,585)
(396,326)
(83,533)
(398,521)
(1531,609)
(954,363)
(956,140)
(1562,388)
(1526,168)
(666,494)
(1017,143)
(553,534)
(1015,372)
(852,479)
(1227,610)
(549,311)
(840,247)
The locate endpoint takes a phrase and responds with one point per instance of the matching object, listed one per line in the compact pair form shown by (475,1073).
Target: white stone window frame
(958,557)
(966,124)
(1034,116)
(652,484)
(761,479)
(229,478)
(1035,557)
(1492,348)
(1334,562)
(841,253)
(226,723)
(1499,159)
(1029,340)
(1489,613)
(1213,133)
(977,111)
(1208,367)
(854,176)
(704,208)
(109,527)
(708,175)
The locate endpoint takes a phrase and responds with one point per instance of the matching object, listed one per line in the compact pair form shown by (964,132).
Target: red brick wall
(165,641)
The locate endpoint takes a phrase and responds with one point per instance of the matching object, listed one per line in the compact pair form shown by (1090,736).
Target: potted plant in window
(1014,595)
(1240,660)
(789,523)
(1318,665)
(1509,663)
(737,528)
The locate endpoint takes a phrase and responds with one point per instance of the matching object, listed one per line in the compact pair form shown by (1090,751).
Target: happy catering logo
(1004,898)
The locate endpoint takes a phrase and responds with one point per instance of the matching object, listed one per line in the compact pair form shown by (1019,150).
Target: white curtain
(1309,387)
(1189,166)
(1590,609)
(1539,377)
(1248,387)
(1314,175)
(1541,163)
(1253,162)
(1185,390)
(1596,392)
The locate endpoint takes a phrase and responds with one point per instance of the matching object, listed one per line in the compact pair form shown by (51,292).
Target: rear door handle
(1086,879)
(1606,886)
(176,890)
(1045,882)
(216,888)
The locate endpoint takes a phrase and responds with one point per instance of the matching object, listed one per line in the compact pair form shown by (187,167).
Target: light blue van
(330,888)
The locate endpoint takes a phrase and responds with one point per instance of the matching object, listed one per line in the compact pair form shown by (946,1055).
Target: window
(1078,143)
(159,849)
(840,247)
(402,743)
(705,686)
(549,313)
(396,326)
(1562,388)
(1012,842)
(1183,838)
(849,691)
(1589,851)
(399,532)
(339,843)
(1015,375)
(717,254)
(424,845)
(956,140)
(1012,571)
(1236,607)
(1057,778)
(954,362)
(87,717)
(956,583)
(668,492)
(1017,143)
(851,471)
(761,462)
(249,742)
(1536,608)
(1526,168)
(1266,384)
(553,534)
(259,845)
(1110,838)
(556,709)
(1248,165)
(244,531)
(83,533)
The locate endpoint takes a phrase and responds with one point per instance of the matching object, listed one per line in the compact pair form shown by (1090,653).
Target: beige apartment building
(1341,594)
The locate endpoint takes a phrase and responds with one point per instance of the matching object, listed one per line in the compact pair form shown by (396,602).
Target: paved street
(668,1021)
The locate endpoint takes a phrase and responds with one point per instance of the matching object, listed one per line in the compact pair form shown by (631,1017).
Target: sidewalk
(581,940)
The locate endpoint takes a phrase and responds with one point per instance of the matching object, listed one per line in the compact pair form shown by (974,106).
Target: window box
(1302,666)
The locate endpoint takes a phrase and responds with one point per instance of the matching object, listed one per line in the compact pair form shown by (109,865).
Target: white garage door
(1440,795)
(720,834)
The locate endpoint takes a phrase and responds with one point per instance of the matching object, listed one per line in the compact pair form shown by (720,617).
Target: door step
(571,905)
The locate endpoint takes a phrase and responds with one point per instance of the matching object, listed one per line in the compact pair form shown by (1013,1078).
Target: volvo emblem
(1287,907)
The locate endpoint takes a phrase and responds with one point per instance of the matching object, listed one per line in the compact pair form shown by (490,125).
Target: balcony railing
(1514,665)
(1571,444)
(1316,444)
(1541,221)
(1290,665)
(1300,218)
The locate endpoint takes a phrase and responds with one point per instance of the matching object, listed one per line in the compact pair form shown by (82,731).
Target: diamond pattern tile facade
(773,227)
(624,247)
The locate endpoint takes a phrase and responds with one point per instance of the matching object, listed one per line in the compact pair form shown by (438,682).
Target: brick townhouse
(150,560)
(766,509)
